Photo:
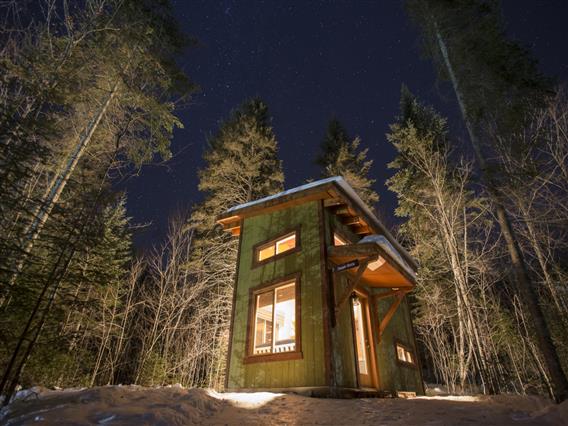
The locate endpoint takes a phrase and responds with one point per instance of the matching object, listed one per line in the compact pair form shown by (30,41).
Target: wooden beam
(343,210)
(388,316)
(361,229)
(334,202)
(359,250)
(351,220)
(228,219)
(390,293)
(346,294)
(231,225)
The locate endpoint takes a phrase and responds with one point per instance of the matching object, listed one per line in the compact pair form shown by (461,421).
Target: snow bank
(135,405)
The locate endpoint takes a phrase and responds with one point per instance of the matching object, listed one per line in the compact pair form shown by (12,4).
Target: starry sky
(311,61)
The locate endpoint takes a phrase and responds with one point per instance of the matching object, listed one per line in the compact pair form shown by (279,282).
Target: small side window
(404,354)
(281,245)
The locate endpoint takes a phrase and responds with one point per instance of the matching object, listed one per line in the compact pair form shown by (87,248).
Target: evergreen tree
(341,156)
(87,91)
(445,226)
(495,82)
(101,79)
(241,166)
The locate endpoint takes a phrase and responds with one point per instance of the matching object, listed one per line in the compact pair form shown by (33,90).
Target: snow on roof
(385,244)
(300,188)
(336,179)
(350,192)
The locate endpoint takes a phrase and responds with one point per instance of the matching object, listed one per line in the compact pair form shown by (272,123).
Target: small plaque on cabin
(346,265)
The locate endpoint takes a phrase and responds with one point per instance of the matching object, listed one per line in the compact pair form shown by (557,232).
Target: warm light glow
(404,354)
(338,241)
(281,245)
(360,337)
(266,252)
(277,306)
(373,266)
(286,244)
(247,400)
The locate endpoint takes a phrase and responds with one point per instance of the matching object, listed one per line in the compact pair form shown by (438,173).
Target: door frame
(366,305)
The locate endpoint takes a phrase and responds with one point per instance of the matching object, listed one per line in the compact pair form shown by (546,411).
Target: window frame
(273,240)
(398,342)
(251,357)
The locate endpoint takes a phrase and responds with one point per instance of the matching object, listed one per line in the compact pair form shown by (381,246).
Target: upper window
(403,354)
(280,245)
(275,319)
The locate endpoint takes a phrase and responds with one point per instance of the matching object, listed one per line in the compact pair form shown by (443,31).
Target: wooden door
(362,341)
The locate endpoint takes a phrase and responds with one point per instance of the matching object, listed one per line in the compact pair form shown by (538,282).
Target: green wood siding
(309,371)
(343,350)
(393,375)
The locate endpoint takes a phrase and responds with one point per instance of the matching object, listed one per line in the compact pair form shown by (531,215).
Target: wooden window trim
(413,365)
(256,248)
(264,287)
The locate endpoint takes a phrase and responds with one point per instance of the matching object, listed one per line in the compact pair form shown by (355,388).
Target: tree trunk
(54,192)
(523,283)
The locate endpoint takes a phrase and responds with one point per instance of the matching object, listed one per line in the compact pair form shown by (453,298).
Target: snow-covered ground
(134,405)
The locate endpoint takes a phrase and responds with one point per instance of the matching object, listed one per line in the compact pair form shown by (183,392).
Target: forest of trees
(89,93)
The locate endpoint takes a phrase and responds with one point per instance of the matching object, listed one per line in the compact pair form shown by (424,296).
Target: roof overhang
(336,195)
(383,269)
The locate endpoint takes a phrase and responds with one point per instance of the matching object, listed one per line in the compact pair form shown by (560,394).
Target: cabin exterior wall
(328,353)
(310,370)
(343,349)
(395,375)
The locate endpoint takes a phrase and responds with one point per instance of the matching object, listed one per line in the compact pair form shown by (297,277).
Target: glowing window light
(360,337)
(403,354)
(338,241)
(275,320)
(277,246)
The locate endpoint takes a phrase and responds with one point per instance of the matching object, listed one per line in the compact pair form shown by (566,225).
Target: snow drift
(135,405)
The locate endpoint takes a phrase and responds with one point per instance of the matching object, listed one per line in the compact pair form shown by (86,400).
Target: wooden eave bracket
(353,283)
(399,295)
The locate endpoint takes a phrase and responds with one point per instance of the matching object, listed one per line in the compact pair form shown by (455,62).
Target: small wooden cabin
(319,300)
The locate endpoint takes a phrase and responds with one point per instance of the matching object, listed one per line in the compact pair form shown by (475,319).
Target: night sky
(311,61)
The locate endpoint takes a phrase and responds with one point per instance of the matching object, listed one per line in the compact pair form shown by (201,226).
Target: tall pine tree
(495,81)
(445,227)
(241,165)
(341,156)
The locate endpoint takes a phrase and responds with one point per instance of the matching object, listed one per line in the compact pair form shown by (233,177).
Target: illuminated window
(275,320)
(403,354)
(275,247)
(360,337)
(338,241)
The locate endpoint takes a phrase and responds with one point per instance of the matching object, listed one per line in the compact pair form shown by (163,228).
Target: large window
(280,245)
(274,318)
